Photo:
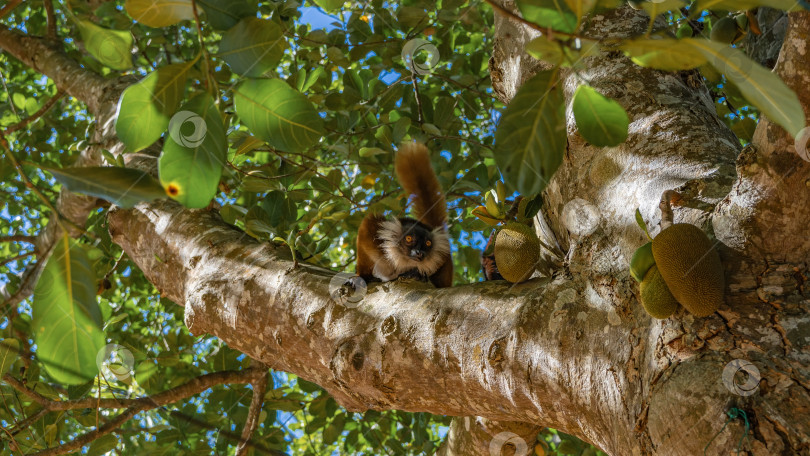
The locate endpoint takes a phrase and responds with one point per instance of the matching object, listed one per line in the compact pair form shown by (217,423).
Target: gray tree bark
(574,351)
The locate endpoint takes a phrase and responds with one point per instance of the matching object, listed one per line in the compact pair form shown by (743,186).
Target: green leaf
(224,14)
(329,5)
(278,114)
(549,13)
(9,354)
(600,120)
(663,54)
(102,445)
(744,129)
(740,5)
(159,13)
(280,210)
(125,187)
(145,108)
(545,49)
(531,137)
(66,317)
(759,86)
(191,163)
(253,46)
(110,47)
(642,224)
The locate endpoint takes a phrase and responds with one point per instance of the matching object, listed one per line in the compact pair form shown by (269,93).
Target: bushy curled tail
(416,176)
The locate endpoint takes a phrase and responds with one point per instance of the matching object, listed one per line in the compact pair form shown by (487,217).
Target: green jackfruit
(655,296)
(517,252)
(691,268)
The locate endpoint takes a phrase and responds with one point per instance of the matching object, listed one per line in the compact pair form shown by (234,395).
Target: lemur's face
(409,244)
(416,242)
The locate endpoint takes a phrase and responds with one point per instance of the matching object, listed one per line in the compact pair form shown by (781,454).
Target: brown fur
(416,175)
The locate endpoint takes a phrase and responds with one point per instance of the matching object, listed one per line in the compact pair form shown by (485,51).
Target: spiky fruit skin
(517,251)
(641,262)
(691,268)
(655,295)
(724,31)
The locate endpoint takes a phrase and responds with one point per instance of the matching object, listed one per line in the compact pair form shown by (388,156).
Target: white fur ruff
(390,233)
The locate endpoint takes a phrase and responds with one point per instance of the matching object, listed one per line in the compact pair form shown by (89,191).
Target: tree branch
(259,388)
(188,389)
(764,215)
(70,77)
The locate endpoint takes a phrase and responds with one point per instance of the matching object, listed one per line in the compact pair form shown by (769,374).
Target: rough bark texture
(574,351)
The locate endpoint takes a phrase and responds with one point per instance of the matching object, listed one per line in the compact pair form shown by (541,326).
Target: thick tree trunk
(574,351)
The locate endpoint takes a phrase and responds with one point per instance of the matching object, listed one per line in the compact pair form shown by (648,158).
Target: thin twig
(45,108)
(8,7)
(546,30)
(6,261)
(19,238)
(51,19)
(416,95)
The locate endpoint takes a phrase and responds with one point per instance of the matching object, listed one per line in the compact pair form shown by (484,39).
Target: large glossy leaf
(224,14)
(110,47)
(125,187)
(159,13)
(549,13)
(145,108)
(663,54)
(600,120)
(278,114)
(194,153)
(531,137)
(759,86)
(253,46)
(66,317)
(739,5)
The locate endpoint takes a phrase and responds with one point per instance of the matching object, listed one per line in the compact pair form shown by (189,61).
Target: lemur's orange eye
(427,243)
(408,238)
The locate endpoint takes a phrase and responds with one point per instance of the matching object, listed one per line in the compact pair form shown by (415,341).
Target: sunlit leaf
(159,13)
(278,114)
(194,153)
(145,108)
(253,46)
(9,354)
(600,120)
(110,47)
(66,318)
(531,137)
